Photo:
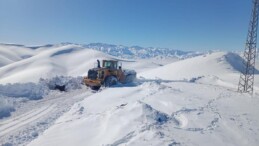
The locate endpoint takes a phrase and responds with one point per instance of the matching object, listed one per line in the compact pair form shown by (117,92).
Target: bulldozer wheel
(110,81)
(96,88)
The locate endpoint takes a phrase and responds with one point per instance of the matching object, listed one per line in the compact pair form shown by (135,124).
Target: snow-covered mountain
(137,52)
(174,102)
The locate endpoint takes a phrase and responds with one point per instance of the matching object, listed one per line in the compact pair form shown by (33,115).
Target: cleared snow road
(33,117)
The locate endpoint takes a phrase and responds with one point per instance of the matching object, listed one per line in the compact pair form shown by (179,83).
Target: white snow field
(173,102)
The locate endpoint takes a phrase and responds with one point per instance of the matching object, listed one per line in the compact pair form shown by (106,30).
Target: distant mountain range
(137,52)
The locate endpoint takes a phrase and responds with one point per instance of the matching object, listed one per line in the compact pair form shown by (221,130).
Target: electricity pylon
(246,81)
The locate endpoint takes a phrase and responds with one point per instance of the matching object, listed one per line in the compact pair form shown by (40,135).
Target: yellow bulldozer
(109,74)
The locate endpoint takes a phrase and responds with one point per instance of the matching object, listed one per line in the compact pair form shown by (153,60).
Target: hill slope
(11,53)
(70,60)
(221,67)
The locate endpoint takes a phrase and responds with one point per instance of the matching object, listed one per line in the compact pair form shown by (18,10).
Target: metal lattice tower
(246,81)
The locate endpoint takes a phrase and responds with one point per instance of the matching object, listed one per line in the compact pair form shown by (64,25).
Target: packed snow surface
(158,113)
(186,102)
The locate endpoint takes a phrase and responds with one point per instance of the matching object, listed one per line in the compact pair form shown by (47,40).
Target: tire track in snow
(25,119)
(34,117)
(15,118)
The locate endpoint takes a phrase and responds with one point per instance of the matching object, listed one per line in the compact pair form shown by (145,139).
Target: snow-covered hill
(61,60)
(12,53)
(174,102)
(217,68)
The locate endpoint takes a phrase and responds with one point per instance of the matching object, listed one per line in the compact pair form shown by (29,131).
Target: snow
(211,64)
(137,52)
(219,67)
(5,108)
(64,59)
(159,114)
(32,117)
(10,54)
(51,62)
(35,91)
(188,102)
(29,90)
(70,83)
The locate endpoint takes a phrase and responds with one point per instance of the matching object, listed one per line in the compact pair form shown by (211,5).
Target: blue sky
(177,24)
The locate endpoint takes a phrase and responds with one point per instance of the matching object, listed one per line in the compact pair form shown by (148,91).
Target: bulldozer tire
(96,88)
(110,81)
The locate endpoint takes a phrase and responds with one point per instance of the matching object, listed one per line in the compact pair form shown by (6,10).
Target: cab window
(107,64)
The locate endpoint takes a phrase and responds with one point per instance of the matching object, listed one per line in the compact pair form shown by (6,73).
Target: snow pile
(153,115)
(35,91)
(31,91)
(67,83)
(6,107)
(11,93)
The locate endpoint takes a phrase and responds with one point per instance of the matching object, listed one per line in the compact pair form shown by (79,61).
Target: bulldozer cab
(111,64)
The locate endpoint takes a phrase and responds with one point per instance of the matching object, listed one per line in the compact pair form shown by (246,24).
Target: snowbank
(33,91)
(68,83)
(5,108)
